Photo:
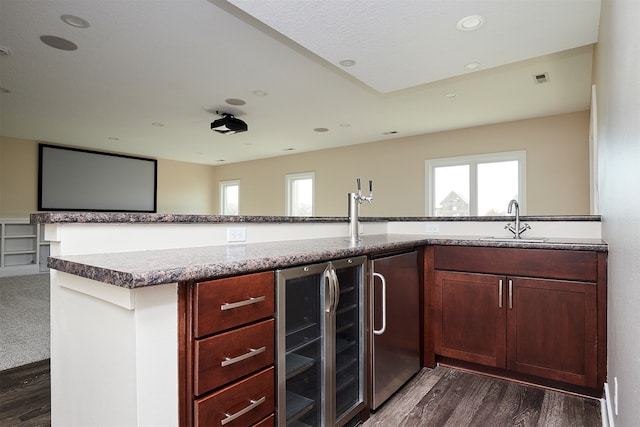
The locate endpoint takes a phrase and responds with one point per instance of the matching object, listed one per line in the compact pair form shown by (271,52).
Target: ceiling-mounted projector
(228,125)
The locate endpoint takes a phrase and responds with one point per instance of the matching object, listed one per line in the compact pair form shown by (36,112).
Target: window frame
(473,161)
(289,181)
(223,185)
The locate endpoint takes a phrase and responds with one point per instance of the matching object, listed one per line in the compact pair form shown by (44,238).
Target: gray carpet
(24,320)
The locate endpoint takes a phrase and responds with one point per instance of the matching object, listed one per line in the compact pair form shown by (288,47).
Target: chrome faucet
(517,230)
(355,200)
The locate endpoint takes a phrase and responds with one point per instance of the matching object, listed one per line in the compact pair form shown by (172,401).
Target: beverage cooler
(321,343)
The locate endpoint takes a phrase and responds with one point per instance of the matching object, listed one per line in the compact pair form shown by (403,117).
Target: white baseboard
(606,409)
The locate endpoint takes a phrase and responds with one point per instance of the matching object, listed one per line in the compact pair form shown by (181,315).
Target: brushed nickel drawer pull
(511,294)
(252,300)
(252,352)
(500,295)
(252,406)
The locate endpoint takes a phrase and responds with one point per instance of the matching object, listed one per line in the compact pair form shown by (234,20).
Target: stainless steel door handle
(500,295)
(330,288)
(252,352)
(253,404)
(510,293)
(384,305)
(336,291)
(230,305)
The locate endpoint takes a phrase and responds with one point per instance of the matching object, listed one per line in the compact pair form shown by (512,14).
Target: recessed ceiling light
(321,130)
(470,23)
(260,93)
(472,66)
(58,43)
(113,138)
(391,132)
(157,124)
(347,62)
(235,101)
(220,160)
(75,21)
(288,149)
(450,95)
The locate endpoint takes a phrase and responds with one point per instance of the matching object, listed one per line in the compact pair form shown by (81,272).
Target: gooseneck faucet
(355,200)
(517,230)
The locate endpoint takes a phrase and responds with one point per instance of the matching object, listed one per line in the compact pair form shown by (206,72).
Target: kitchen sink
(511,239)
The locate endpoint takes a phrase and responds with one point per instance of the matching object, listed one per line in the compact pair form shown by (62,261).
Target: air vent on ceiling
(541,78)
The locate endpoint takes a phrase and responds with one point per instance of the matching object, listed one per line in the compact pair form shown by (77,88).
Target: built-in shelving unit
(23,249)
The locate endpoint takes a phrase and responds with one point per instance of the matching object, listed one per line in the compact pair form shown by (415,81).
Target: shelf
(345,364)
(297,364)
(30,251)
(21,247)
(344,327)
(347,309)
(297,406)
(342,345)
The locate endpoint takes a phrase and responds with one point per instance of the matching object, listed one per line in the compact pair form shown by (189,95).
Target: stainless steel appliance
(395,324)
(321,345)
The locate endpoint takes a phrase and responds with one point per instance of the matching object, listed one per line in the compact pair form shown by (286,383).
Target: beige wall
(182,187)
(186,188)
(557,169)
(557,172)
(18,177)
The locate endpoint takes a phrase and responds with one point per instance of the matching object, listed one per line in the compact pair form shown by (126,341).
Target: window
(300,194)
(230,197)
(479,185)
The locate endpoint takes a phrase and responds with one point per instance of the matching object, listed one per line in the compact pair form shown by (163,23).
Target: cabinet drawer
(547,263)
(226,303)
(225,357)
(241,404)
(270,421)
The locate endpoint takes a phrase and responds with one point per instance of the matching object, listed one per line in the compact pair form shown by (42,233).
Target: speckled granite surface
(155,267)
(142,218)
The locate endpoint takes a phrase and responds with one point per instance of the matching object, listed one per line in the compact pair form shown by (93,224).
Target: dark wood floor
(25,396)
(447,397)
(438,397)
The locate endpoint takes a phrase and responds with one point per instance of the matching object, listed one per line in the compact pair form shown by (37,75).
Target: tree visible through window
(479,185)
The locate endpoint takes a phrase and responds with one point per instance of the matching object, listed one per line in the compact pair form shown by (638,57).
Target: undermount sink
(511,239)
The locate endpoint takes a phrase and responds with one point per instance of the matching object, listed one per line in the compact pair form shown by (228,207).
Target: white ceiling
(175,62)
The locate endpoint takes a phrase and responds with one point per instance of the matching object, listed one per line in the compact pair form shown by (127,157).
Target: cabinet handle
(384,305)
(252,406)
(230,305)
(336,284)
(252,352)
(329,300)
(500,295)
(510,293)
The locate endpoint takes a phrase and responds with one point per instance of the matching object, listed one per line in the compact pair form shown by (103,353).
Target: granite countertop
(145,218)
(156,267)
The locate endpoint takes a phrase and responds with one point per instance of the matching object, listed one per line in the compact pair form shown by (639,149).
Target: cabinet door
(552,329)
(470,317)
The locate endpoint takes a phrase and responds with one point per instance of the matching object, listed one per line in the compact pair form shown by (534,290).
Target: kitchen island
(114,291)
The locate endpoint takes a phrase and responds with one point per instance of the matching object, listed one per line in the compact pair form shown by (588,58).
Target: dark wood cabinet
(552,330)
(469,318)
(549,324)
(227,351)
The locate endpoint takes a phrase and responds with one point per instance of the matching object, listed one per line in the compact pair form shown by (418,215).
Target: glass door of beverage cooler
(349,347)
(320,335)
